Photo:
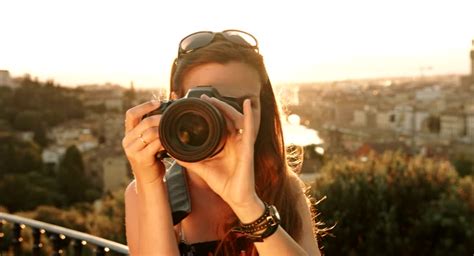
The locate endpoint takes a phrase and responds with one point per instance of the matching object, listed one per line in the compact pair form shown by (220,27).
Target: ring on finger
(143,140)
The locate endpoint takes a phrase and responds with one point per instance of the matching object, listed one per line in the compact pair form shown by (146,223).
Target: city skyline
(119,42)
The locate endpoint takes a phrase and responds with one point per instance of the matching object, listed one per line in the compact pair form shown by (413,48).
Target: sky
(94,42)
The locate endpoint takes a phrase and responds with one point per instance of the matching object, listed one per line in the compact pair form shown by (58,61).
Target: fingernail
(204,96)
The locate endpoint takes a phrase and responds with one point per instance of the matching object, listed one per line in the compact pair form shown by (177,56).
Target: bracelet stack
(263,227)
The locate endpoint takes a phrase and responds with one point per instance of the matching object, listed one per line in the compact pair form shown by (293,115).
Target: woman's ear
(173,96)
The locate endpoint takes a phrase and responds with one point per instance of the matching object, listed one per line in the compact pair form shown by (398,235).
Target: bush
(394,205)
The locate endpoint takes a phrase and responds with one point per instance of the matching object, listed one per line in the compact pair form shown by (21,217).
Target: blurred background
(378,98)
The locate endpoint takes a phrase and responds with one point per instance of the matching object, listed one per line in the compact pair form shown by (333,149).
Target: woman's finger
(134,115)
(249,129)
(153,148)
(147,123)
(143,139)
(229,111)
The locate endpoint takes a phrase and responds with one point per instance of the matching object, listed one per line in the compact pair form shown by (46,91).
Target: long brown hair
(272,175)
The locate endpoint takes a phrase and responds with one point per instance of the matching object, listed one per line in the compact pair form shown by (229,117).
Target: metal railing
(58,237)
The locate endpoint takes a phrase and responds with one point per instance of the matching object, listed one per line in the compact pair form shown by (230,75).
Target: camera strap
(178,193)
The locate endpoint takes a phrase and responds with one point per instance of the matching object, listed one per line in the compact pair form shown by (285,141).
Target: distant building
(385,118)
(404,119)
(472,61)
(428,93)
(421,118)
(307,96)
(115,173)
(452,125)
(468,80)
(360,118)
(344,114)
(5,79)
(82,138)
(52,155)
(470,126)
(469,109)
(109,96)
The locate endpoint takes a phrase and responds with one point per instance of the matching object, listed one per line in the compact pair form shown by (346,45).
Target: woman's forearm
(156,234)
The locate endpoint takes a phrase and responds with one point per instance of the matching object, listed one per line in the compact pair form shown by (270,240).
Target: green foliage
(23,183)
(5,94)
(394,205)
(36,106)
(28,184)
(108,221)
(27,120)
(26,191)
(18,156)
(72,179)
(104,218)
(69,218)
(464,165)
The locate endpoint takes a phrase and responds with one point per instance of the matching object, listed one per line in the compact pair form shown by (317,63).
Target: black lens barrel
(192,130)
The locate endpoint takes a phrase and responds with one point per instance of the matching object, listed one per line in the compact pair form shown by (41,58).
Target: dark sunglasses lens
(240,37)
(196,41)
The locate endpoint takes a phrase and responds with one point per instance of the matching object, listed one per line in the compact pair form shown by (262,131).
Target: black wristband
(257,222)
(263,227)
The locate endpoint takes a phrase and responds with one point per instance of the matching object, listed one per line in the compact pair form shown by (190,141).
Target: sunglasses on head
(201,39)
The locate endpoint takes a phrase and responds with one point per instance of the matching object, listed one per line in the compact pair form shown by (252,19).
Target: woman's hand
(230,173)
(142,142)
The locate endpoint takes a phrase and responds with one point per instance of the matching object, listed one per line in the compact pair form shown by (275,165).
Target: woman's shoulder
(296,182)
(300,190)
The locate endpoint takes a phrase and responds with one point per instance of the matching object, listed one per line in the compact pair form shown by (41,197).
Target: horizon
(86,42)
(277,84)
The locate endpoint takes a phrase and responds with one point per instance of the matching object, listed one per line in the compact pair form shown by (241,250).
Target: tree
(40,135)
(18,156)
(27,191)
(71,176)
(73,181)
(464,164)
(394,205)
(34,105)
(27,120)
(108,220)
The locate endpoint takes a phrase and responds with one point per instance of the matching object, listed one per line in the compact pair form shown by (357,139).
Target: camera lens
(192,129)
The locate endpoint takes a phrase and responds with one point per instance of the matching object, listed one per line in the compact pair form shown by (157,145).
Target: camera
(192,129)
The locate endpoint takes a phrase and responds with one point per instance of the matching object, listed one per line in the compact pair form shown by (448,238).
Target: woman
(235,193)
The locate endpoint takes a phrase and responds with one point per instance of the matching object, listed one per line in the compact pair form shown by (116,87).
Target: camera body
(192,129)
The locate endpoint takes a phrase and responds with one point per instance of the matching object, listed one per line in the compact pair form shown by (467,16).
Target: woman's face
(233,79)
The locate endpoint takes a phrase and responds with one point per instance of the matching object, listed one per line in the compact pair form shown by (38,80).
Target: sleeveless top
(209,248)
(198,249)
